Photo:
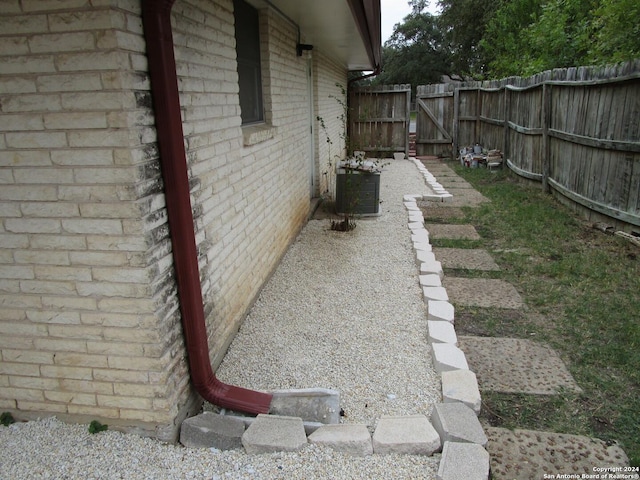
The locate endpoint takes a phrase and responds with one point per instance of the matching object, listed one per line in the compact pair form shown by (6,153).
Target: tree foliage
(529,36)
(503,44)
(415,52)
(617,31)
(498,38)
(465,22)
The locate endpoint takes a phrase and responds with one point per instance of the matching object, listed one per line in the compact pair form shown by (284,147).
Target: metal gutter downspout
(156,17)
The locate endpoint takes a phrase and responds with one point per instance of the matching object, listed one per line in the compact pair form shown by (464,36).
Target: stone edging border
(459,383)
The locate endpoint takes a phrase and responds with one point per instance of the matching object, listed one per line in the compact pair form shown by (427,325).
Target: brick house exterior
(90,319)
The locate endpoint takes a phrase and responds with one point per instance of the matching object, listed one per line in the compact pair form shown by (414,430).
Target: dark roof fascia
(367,16)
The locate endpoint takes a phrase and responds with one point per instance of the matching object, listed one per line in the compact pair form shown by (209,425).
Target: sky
(393,11)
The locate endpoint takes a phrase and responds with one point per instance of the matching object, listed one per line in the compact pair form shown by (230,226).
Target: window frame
(249,63)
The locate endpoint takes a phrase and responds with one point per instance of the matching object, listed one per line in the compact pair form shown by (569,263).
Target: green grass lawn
(581,288)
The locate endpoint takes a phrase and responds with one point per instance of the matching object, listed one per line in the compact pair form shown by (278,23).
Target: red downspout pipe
(156,17)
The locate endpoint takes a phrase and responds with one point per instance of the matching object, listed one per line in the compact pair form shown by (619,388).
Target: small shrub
(6,419)
(95,427)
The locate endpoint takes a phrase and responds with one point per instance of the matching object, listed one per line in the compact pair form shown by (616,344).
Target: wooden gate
(379,119)
(435,119)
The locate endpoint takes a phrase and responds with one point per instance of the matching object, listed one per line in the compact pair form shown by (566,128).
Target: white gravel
(342,311)
(345,311)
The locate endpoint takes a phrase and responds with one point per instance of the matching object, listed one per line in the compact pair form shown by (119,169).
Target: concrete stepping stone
(210,430)
(435,293)
(461,386)
(455,182)
(455,422)
(353,439)
(455,232)
(466,258)
(468,196)
(439,310)
(482,292)
(441,332)
(434,197)
(416,226)
(531,454)
(512,365)
(448,357)
(411,434)
(441,211)
(466,461)
(459,199)
(274,433)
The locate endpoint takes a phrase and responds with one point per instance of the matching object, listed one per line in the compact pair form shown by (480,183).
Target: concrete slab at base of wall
(311,404)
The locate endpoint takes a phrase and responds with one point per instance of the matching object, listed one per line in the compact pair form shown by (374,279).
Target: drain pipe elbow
(156,17)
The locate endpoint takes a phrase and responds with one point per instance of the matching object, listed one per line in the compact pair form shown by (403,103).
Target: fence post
(408,121)
(476,133)
(456,122)
(546,117)
(507,114)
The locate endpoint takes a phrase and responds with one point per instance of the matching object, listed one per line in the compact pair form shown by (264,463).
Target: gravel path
(345,311)
(342,311)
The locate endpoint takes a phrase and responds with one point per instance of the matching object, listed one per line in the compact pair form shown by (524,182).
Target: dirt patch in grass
(547,412)
(438,212)
(499,322)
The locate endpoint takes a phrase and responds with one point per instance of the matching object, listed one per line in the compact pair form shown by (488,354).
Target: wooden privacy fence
(379,119)
(576,130)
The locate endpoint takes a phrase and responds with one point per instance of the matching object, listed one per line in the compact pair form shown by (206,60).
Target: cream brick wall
(250,200)
(89,315)
(84,248)
(330,83)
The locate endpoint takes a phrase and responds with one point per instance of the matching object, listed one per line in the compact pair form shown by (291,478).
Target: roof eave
(366,13)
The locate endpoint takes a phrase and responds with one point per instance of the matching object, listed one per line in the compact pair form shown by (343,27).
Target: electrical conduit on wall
(156,17)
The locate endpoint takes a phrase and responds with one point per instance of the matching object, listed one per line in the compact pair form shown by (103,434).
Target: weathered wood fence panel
(379,119)
(467,119)
(434,121)
(575,130)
